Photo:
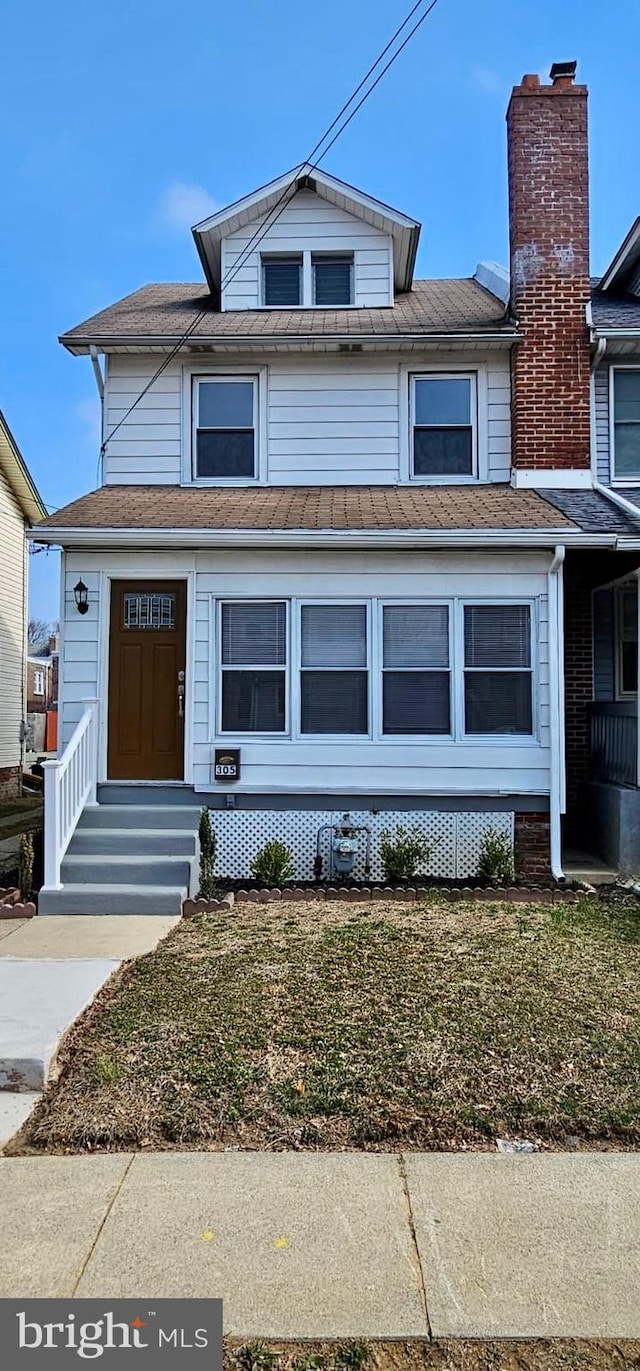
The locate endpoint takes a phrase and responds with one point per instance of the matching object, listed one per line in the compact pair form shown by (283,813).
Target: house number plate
(227,764)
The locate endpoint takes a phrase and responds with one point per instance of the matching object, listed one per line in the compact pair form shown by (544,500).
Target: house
(20,507)
(42,678)
(364,542)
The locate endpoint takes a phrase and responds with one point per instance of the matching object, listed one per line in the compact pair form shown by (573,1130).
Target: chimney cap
(563,71)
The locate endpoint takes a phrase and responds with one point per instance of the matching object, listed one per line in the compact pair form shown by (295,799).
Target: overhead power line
(315,157)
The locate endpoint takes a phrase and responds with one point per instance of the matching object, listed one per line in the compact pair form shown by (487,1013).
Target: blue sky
(124,123)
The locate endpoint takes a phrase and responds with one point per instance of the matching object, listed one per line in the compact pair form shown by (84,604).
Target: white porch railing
(70,783)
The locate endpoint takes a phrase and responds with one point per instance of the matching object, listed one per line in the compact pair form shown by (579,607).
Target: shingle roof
(592,511)
(615,311)
(166,311)
(310,507)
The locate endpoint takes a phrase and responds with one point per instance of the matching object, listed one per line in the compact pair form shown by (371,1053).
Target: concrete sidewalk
(311,1245)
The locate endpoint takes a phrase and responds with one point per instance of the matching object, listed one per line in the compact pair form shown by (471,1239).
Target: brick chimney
(549,247)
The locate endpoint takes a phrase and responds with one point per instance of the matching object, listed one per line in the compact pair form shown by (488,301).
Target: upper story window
(38,682)
(332,278)
(225,426)
(282,280)
(626,422)
(443,426)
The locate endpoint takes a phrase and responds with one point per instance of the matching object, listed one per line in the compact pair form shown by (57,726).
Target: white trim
(630,480)
(494,278)
(557,787)
(556,479)
(191,376)
(159,539)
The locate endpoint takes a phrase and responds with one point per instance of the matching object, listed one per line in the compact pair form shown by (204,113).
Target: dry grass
(376,1027)
(448,1355)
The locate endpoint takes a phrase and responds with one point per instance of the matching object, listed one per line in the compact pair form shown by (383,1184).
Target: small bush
(273,864)
(26,866)
(495,862)
(208,846)
(403,854)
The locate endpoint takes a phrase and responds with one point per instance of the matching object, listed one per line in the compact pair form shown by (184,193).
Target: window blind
(334,635)
(254,634)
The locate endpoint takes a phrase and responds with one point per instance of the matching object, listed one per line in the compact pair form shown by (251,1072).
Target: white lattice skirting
(456,837)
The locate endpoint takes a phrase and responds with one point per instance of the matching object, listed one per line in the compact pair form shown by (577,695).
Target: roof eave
(80,345)
(495,538)
(619,267)
(17,473)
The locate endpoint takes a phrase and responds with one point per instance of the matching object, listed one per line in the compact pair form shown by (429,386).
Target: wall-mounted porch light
(81,596)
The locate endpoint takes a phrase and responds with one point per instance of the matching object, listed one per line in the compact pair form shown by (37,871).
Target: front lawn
(382,1027)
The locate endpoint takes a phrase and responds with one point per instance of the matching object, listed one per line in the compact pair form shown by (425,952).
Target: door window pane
(149,611)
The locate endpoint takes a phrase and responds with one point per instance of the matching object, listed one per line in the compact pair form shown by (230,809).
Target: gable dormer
(308,243)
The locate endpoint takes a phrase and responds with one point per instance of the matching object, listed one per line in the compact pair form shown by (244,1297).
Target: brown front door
(146,681)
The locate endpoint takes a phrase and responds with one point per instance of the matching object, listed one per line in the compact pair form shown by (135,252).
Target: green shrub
(208,846)
(495,861)
(26,866)
(273,864)
(403,854)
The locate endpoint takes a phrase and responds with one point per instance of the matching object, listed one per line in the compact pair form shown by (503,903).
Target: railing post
(92,749)
(51,826)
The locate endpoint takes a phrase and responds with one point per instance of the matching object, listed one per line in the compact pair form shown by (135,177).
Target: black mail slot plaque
(226,766)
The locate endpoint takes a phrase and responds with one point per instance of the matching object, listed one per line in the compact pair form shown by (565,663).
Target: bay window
(334,677)
(498,687)
(225,426)
(415,675)
(253,666)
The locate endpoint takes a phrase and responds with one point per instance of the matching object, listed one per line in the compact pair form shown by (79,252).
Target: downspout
(609,494)
(557,788)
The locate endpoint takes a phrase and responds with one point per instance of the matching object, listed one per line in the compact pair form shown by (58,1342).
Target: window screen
(498,677)
(254,657)
(626,419)
(225,435)
(332,280)
(443,426)
(416,679)
(334,680)
(281,281)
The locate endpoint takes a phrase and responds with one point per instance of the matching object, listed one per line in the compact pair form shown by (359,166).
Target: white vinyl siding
(12,625)
(308,223)
(329,420)
(600,383)
(79,679)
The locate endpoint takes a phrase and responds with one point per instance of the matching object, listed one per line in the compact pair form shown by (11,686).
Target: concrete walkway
(338,1245)
(50,970)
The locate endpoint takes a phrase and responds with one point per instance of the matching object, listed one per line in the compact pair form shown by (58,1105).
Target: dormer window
(282,280)
(332,278)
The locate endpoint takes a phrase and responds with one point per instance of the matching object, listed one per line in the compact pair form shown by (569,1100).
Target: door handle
(181,694)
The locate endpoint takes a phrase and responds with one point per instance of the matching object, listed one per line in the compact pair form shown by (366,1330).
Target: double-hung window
(627,641)
(498,675)
(282,280)
(416,691)
(225,427)
(253,666)
(443,426)
(625,400)
(334,676)
(38,682)
(332,278)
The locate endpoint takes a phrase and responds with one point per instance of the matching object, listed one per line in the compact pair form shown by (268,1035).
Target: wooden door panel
(146,655)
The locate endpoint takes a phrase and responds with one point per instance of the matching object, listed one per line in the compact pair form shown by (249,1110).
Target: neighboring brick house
(361,543)
(42,678)
(20,507)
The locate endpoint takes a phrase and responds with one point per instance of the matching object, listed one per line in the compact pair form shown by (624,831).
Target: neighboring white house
(20,507)
(330,542)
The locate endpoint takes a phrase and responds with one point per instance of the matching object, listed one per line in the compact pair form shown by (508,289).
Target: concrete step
(118,842)
(112,899)
(140,817)
(115,793)
(130,870)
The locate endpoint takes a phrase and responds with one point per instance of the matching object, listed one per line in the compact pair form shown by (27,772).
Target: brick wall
(9,782)
(549,247)
(532,846)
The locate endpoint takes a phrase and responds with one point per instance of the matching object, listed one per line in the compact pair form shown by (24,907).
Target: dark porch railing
(614,741)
